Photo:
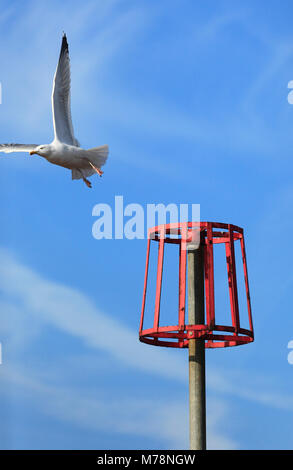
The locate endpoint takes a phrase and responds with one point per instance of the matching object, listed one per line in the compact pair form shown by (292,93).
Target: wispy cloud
(96,33)
(217,23)
(28,103)
(122,414)
(31,304)
(74,313)
(163,418)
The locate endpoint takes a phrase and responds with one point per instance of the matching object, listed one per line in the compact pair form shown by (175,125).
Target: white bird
(65,150)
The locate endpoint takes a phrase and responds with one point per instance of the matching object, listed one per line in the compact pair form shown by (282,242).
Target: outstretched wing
(9,148)
(61,98)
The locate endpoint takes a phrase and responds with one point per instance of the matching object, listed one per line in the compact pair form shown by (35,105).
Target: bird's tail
(98,155)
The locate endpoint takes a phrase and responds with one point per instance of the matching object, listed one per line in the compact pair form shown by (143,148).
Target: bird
(65,149)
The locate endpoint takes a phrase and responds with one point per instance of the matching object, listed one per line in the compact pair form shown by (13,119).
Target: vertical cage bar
(230,281)
(233,282)
(182,276)
(246,282)
(159,278)
(209,277)
(145,285)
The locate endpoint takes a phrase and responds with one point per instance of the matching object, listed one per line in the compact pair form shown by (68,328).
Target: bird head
(41,150)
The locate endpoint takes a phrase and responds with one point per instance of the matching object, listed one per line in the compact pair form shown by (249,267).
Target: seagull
(65,149)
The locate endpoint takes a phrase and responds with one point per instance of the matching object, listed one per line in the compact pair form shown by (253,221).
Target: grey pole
(197,392)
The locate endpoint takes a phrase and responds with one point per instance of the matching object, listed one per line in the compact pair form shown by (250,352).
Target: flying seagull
(65,150)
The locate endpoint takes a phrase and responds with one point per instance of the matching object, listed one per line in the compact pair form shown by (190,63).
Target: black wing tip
(64,45)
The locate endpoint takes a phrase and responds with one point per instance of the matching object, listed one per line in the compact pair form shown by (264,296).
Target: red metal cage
(216,336)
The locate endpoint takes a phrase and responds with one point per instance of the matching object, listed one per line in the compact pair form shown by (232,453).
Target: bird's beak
(32,152)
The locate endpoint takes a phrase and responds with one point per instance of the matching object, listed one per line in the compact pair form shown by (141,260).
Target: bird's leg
(87,182)
(100,172)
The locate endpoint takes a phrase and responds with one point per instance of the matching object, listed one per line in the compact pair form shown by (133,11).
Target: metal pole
(197,393)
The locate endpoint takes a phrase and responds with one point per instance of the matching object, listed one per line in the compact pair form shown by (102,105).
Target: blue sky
(191,98)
